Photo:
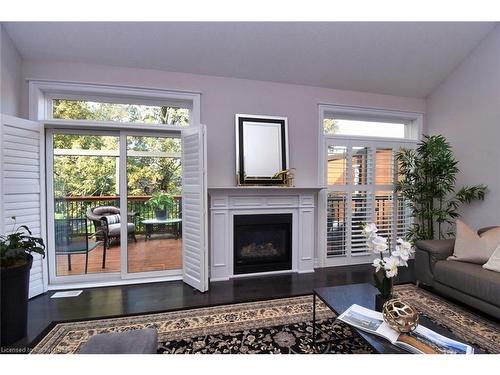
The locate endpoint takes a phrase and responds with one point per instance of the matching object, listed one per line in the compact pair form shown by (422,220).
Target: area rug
(274,326)
(469,327)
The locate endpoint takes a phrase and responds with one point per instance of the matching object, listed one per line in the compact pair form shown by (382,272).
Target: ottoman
(139,341)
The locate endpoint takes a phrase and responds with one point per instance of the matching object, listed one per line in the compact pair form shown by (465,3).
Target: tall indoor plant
(428,176)
(15,264)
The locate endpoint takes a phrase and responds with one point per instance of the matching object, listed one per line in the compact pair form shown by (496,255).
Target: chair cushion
(114,229)
(139,341)
(112,219)
(469,278)
(105,210)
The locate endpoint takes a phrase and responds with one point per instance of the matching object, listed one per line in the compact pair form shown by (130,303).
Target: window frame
(413,134)
(412,120)
(42,93)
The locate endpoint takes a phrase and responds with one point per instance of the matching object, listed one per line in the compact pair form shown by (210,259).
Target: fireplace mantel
(226,202)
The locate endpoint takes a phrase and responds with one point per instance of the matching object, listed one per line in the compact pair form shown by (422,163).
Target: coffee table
(159,225)
(340,298)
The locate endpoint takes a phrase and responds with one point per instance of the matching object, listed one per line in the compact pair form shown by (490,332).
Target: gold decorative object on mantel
(286,175)
(400,315)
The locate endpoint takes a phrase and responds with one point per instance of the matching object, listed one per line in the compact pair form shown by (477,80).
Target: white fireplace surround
(225,203)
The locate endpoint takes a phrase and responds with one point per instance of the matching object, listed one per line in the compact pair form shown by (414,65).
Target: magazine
(421,340)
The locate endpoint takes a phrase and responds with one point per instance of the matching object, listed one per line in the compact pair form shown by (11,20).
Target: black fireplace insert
(262,243)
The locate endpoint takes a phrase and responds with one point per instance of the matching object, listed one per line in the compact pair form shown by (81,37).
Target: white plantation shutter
(21,187)
(336,232)
(361,213)
(360,177)
(194,215)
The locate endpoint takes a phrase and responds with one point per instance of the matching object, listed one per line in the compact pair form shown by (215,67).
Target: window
(359,148)
(337,126)
(72,109)
(58,102)
(353,122)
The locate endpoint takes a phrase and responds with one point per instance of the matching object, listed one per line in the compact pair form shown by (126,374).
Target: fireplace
(262,243)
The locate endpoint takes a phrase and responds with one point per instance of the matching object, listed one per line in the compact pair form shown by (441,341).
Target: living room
(250,187)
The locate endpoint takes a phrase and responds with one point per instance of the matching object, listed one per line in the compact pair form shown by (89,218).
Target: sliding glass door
(154,203)
(114,205)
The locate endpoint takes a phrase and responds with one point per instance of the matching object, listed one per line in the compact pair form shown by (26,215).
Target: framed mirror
(261,149)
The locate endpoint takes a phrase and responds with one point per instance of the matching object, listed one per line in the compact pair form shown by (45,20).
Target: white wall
(465,108)
(222,98)
(11,84)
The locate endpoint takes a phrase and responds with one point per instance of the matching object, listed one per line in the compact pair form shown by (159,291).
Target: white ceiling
(407,59)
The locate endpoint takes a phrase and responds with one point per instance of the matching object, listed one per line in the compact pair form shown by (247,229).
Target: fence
(75,207)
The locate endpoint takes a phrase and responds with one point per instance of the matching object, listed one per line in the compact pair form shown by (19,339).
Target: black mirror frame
(240,120)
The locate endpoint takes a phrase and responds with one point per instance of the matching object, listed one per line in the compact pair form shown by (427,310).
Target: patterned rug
(275,326)
(469,327)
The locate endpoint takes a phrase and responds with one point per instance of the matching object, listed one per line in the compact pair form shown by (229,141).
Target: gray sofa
(468,283)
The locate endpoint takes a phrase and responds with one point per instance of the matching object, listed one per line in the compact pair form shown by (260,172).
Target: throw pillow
(493,263)
(113,219)
(472,248)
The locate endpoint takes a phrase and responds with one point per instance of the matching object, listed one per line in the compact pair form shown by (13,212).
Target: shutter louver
(384,211)
(337,165)
(362,213)
(21,193)
(337,224)
(194,241)
(361,177)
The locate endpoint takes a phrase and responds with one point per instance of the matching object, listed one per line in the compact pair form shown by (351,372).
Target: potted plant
(427,183)
(15,264)
(387,261)
(161,203)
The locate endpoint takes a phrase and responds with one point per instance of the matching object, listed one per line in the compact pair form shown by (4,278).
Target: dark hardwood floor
(155,297)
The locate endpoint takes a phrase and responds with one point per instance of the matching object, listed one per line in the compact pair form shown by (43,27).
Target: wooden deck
(156,254)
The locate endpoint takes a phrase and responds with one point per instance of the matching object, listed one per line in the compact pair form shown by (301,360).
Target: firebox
(262,243)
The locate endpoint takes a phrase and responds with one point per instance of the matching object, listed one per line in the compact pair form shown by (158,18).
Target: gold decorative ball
(400,315)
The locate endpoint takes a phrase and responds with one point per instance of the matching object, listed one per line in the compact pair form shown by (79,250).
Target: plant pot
(161,214)
(14,299)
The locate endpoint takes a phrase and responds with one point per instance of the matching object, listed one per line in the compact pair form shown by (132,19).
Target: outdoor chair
(72,237)
(106,220)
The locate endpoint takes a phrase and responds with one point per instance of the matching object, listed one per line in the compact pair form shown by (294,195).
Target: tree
(81,175)
(330,126)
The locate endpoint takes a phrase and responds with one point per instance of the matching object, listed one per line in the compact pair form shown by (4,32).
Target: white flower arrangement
(389,260)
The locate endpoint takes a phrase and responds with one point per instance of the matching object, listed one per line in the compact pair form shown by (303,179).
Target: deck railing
(75,207)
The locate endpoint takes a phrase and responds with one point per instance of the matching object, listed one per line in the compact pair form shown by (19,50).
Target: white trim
(98,284)
(412,135)
(40,110)
(43,207)
(414,119)
(123,190)
(104,125)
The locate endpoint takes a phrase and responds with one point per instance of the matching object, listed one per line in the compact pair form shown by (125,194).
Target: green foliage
(161,201)
(428,176)
(96,175)
(16,246)
(330,126)
(96,111)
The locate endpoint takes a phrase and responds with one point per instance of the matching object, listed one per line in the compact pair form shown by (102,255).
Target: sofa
(468,283)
